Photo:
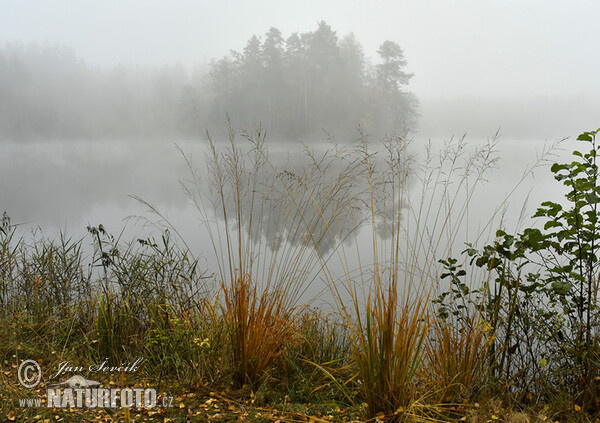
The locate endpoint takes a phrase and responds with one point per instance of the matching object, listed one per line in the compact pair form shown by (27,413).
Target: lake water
(66,186)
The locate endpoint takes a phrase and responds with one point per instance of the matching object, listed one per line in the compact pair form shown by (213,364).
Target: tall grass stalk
(262,225)
(458,356)
(414,214)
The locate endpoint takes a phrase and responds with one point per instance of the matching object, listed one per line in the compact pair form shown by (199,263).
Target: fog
(295,86)
(95,95)
(465,47)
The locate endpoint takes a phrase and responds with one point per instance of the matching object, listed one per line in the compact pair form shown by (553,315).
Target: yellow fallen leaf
(577,408)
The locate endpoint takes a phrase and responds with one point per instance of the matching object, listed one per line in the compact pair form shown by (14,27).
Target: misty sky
(476,47)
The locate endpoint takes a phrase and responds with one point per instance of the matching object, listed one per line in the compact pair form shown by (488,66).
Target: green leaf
(561,287)
(551,224)
(494,262)
(528,288)
(557,167)
(593,198)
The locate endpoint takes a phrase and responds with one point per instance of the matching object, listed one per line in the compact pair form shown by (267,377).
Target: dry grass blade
(457,356)
(415,214)
(263,226)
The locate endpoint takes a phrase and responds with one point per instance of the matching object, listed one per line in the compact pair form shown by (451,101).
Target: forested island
(295,86)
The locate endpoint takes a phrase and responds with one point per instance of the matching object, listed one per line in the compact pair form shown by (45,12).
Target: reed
(262,224)
(457,356)
(414,214)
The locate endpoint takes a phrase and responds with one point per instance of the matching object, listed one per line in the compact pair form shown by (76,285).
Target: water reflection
(69,185)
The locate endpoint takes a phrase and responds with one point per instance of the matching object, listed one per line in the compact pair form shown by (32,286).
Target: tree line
(295,87)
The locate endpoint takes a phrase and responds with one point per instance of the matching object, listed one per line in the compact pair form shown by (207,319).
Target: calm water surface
(67,186)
